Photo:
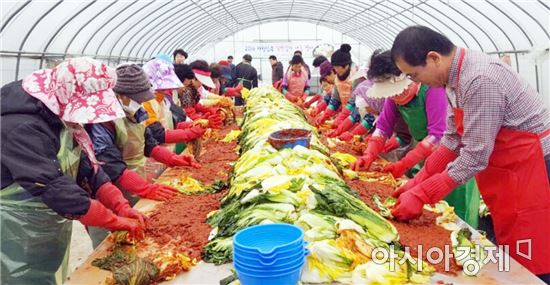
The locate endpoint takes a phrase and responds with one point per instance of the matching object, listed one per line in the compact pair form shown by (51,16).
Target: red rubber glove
(358,130)
(110,196)
(321,106)
(99,216)
(132,213)
(419,153)
(205,110)
(132,182)
(187,135)
(342,127)
(186,160)
(391,144)
(346,137)
(430,191)
(344,114)
(192,113)
(213,111)
(374,147)
(326,115)
(215,121)
(234,92)
(184,125)
(313,99)
(436,163)
(167,157)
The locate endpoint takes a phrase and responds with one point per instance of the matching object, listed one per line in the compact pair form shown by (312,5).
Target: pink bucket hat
(78,90)
(162,75)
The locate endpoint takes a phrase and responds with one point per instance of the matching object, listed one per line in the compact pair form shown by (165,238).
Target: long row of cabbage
(302,186)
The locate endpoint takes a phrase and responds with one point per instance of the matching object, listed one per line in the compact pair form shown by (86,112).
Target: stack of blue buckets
(271,254)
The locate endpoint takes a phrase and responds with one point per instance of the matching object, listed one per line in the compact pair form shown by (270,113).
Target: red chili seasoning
(181,222)
(422,231)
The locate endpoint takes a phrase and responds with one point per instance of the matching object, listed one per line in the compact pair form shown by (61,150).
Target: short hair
(318,60)
(247,57)
(413,44)
(298,52)
(382,65)
(180,51)
(183,71)
(230,57)
(200,65)
(215,70)
(297,59)
(272,57)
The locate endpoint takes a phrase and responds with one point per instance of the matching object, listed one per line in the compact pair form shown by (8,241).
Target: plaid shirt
(492,96)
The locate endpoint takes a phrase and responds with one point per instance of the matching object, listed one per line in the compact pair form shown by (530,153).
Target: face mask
(132,107)
(135,112)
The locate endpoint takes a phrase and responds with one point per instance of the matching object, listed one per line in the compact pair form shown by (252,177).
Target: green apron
(169,122)
(154,168)
(180,147)
(164,116)
(130,139)
(465,198)
(414,114)
(35,240)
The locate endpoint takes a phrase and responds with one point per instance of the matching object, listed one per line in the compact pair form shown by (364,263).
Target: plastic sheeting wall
(283,38)
(33,31)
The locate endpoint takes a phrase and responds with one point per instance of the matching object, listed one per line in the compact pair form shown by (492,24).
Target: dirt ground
(81,246)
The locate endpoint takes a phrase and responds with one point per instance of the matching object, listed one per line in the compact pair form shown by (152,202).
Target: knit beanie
(325,69)
(133,83)
(341,57)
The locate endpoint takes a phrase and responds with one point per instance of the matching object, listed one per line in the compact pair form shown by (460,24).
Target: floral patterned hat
(161,74)
(78,90)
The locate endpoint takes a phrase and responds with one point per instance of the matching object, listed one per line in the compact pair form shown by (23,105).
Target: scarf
(85,142)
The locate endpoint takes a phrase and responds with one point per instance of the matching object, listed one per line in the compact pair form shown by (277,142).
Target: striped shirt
(492,96)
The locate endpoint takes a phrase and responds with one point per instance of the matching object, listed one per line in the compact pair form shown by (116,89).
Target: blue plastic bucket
(255,272)
(280,263)
(251,254)
(268,240)
(267,270)
(289,276)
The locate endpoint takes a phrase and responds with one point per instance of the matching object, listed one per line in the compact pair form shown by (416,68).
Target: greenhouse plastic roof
(139,29)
